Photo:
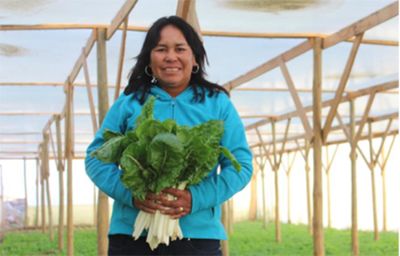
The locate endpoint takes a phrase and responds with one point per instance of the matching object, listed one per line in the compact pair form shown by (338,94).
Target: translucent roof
(34,64)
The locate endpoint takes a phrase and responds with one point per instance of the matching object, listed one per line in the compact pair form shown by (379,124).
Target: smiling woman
(170,67)
(172,61)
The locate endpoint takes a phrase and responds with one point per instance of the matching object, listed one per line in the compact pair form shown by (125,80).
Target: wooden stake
(353,158)
(275,168)
(318,229)
(69,157)
(372,169)
(102,210)
(37,193)
(60,168)
(26,196)
(46,180)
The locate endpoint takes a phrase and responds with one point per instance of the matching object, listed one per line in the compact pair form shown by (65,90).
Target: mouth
(171,69)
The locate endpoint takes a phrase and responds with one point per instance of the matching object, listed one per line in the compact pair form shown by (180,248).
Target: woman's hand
(151,204)
(179,206)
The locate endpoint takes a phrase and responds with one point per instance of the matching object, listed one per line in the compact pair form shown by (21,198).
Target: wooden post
(26,196)
(329,162)
(317,146)
(60,169)
(308,186)
(37,192)
(384,159)
(68,156)
(353,158)
(288,172)
(102,209)
(253,193)
(42,194)
(264,197)
(224,243)
(275,170)
(372,169)
(46,172)
(261,165)
(328,188)
(231,215)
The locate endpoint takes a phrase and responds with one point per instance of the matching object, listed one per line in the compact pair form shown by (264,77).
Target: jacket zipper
(173,108)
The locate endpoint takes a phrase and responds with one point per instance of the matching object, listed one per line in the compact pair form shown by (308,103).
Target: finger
(176,213)
(173,191)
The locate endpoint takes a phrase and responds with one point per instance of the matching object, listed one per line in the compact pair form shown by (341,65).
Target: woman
(170,66)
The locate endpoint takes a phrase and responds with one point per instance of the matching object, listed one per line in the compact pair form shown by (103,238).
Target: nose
(171,55)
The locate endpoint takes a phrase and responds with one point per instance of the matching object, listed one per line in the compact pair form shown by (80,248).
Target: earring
(195,69)
(148,73)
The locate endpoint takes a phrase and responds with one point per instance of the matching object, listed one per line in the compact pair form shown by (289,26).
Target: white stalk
(161,228)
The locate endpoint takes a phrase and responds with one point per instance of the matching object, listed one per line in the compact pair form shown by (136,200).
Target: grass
(248,239)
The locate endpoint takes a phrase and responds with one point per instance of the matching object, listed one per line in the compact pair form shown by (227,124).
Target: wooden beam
(90,96)
(365,116)
(122,14)
(121,61)
(342,84)
(269,65)
(182,9)
(363,25)
(211,33)
(78,64)
(373,89)
(296,99)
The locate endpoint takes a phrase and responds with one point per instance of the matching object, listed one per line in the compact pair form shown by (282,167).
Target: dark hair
(139,83)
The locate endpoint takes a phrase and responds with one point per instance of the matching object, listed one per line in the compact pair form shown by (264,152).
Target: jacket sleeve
(216,189)
(106,176)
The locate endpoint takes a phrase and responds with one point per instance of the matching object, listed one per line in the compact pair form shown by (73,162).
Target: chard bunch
(157,155)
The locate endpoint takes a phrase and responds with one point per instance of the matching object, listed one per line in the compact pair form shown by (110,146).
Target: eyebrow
(178,44)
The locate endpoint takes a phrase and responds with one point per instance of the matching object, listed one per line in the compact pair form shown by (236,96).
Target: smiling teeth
(171,69)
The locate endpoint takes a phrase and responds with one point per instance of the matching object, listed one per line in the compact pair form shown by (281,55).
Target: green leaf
(111,150)
(108,134)
(147,111)
(231,157)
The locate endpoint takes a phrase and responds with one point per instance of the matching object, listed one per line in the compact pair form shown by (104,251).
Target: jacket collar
(162,95)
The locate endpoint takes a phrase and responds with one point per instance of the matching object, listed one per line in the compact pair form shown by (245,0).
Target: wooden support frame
(363,25)
(120,17)
(269,65)
(342,85)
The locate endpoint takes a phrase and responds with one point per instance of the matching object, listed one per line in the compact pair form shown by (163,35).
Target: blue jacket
(204,221)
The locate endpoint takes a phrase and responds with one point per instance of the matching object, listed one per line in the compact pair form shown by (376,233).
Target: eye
(159,49)
(181,49)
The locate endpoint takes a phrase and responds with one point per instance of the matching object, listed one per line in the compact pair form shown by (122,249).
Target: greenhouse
(315,83)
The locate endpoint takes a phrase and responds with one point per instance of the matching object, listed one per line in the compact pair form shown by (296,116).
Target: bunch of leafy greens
(157,155)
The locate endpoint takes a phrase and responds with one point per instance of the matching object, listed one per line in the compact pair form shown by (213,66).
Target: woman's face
(172,61)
